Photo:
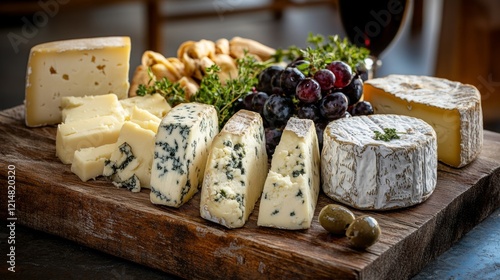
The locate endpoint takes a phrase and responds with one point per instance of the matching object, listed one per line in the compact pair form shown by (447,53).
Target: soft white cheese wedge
(292,185)
(90,66)
(366,173)
(235,171)
(130,163)
(453,109)
(180,154)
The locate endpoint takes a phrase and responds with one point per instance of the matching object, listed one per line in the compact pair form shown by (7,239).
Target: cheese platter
(217,164)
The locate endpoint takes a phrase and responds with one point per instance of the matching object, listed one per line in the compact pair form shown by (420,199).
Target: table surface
(56,203)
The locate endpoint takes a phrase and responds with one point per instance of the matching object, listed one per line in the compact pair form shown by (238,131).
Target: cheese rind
(235,171)
(453,109)
(180,154)
(92,66)
(88,163)
(130,163)
(365,173)
(292,185)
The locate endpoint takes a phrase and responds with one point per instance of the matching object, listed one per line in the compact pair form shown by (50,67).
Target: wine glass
(374,25)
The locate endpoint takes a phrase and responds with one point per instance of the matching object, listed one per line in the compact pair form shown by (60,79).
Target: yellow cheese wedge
(86,107)
(153,103)
(88,163)
(451,108)
(91,66)
(85,133)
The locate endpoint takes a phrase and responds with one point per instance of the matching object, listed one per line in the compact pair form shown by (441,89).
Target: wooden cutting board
(50,198)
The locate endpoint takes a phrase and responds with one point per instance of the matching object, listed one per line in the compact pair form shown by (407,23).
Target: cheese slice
(365,173)
(77,108)
(235,171)
(180,153)
(145,119)
(453,109)
(91,66)
(155,104)
(85,133)
(88,163)
(130,164)
(293,183)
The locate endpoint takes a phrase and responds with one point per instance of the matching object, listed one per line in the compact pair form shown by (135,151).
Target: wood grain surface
(97,214)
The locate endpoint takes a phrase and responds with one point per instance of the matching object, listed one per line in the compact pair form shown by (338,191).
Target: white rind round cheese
(365,173)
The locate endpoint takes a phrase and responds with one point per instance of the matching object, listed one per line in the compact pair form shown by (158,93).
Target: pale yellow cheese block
(153,103)
(90,66)
(451,108)
(85,133)
(88,163)
(145,119)
(86,107)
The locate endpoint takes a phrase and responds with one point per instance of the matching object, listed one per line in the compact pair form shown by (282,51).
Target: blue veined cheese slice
(292,185)
(235,171)
(366,173)
(130,163)
(181,148)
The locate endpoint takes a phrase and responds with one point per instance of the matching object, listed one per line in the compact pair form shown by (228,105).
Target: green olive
(335,218)
(363,232)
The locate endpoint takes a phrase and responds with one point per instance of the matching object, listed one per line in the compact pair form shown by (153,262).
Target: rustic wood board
(96,214)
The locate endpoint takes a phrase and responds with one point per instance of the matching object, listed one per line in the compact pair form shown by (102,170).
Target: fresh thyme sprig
(388,135)
(320,52)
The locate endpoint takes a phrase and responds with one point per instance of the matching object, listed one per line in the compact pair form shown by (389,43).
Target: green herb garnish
(321,52)
(388,135)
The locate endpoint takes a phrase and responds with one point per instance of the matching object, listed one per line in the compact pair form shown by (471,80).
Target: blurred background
(458,40)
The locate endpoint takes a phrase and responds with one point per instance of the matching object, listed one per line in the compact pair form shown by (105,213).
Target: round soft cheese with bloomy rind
(365,173)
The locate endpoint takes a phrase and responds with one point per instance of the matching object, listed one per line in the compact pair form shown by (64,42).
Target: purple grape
(258,101)
(248,100)
(276,83)
(342,72)
(265,77)
(362,108)
(333,106)
(289,79)
(308,111)
(308,90)
(273,137)
(277,110)
(362,71)
(325,78)
(354,90)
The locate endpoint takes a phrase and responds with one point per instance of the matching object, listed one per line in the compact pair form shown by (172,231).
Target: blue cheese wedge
(180,154)
(235,172)
(130,163)
(293,183)
(361,171)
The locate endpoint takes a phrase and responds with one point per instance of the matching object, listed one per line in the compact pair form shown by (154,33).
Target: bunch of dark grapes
(323,95)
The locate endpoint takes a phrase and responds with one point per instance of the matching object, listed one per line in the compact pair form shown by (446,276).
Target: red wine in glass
(373,24)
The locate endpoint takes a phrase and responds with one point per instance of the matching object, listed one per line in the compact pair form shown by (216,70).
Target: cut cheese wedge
(91,66)
(451,108)
(293,183)
(180,153)
(235,172)
(88,163)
